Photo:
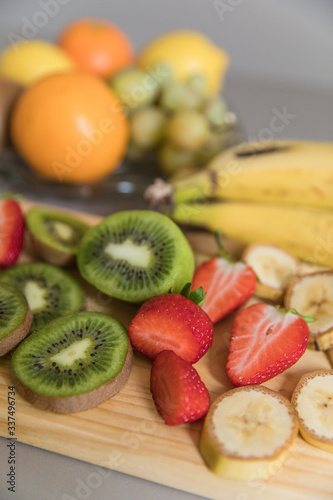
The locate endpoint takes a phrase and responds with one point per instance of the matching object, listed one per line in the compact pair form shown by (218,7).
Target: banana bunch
(279,193)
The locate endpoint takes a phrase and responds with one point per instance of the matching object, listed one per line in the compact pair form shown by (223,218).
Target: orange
(70,127)
(97,46)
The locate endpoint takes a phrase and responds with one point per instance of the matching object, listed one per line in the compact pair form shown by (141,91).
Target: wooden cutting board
(127,434)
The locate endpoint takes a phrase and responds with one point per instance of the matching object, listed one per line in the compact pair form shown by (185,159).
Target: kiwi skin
(49,254)
(80,402)
(8,343)
(42,246)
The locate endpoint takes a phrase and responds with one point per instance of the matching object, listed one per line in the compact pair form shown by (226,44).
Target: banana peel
(306,233)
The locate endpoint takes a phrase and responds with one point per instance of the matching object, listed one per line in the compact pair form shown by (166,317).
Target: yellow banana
(304,233)
(283,172)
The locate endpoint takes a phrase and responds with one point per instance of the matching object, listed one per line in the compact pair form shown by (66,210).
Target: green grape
(177,96)
(162,72)
(147,127)
(188,130)
(135,87)
(215,110)
(198,84)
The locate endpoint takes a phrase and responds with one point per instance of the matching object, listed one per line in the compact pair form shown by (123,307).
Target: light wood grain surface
(126,433)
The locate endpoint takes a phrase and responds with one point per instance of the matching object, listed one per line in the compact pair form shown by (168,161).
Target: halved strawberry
(227,284)
(179,393)
(174,322)
(11,231)
(264,342)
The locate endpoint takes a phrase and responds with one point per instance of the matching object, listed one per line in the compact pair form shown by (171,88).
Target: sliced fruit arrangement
(74,363)
(15,318)
(172,322)
(77,361)
(136,254)
(274,268)
(174,331)
(227,284)
(312,295)
(11,230)
(55,235)
(312,401)
(248,432)
(50,291)
(179,394)
(264,341)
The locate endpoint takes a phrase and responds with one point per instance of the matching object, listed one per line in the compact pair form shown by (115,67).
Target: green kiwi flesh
(135,255)
(51,292)
(15,318)
(55,236)
(74,363)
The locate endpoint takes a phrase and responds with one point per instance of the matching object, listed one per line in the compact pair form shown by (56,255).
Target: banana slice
(274,268)
(312,400)
(312,295)
(248,432)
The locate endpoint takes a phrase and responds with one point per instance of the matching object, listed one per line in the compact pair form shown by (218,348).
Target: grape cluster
(178,121)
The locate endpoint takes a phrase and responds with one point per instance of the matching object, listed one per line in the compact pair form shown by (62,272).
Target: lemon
(188,53)
(29,61)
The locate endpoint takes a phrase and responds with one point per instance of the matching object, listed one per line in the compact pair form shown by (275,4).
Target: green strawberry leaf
(308,319)
(222,251)
(197,296)
(9,194)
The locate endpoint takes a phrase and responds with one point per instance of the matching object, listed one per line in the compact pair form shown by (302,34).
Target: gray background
(281,60)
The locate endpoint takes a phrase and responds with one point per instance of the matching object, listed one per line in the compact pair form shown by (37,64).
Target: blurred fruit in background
(134,87)
(164,105)
(27,62)
(147,127)
(97,46)
(9,92)
(174,122)
(188,53)
(70,127)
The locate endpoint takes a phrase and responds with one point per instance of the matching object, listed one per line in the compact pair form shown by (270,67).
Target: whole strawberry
(11,231)
(179,393)
(265,341)
(227,284)
(172,322)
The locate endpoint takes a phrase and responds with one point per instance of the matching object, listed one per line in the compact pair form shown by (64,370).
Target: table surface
(46,475)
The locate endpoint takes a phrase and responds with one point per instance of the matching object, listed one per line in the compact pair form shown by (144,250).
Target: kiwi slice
(134,255)
(55,236)
(74,363)
(50,291)
(15,317)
